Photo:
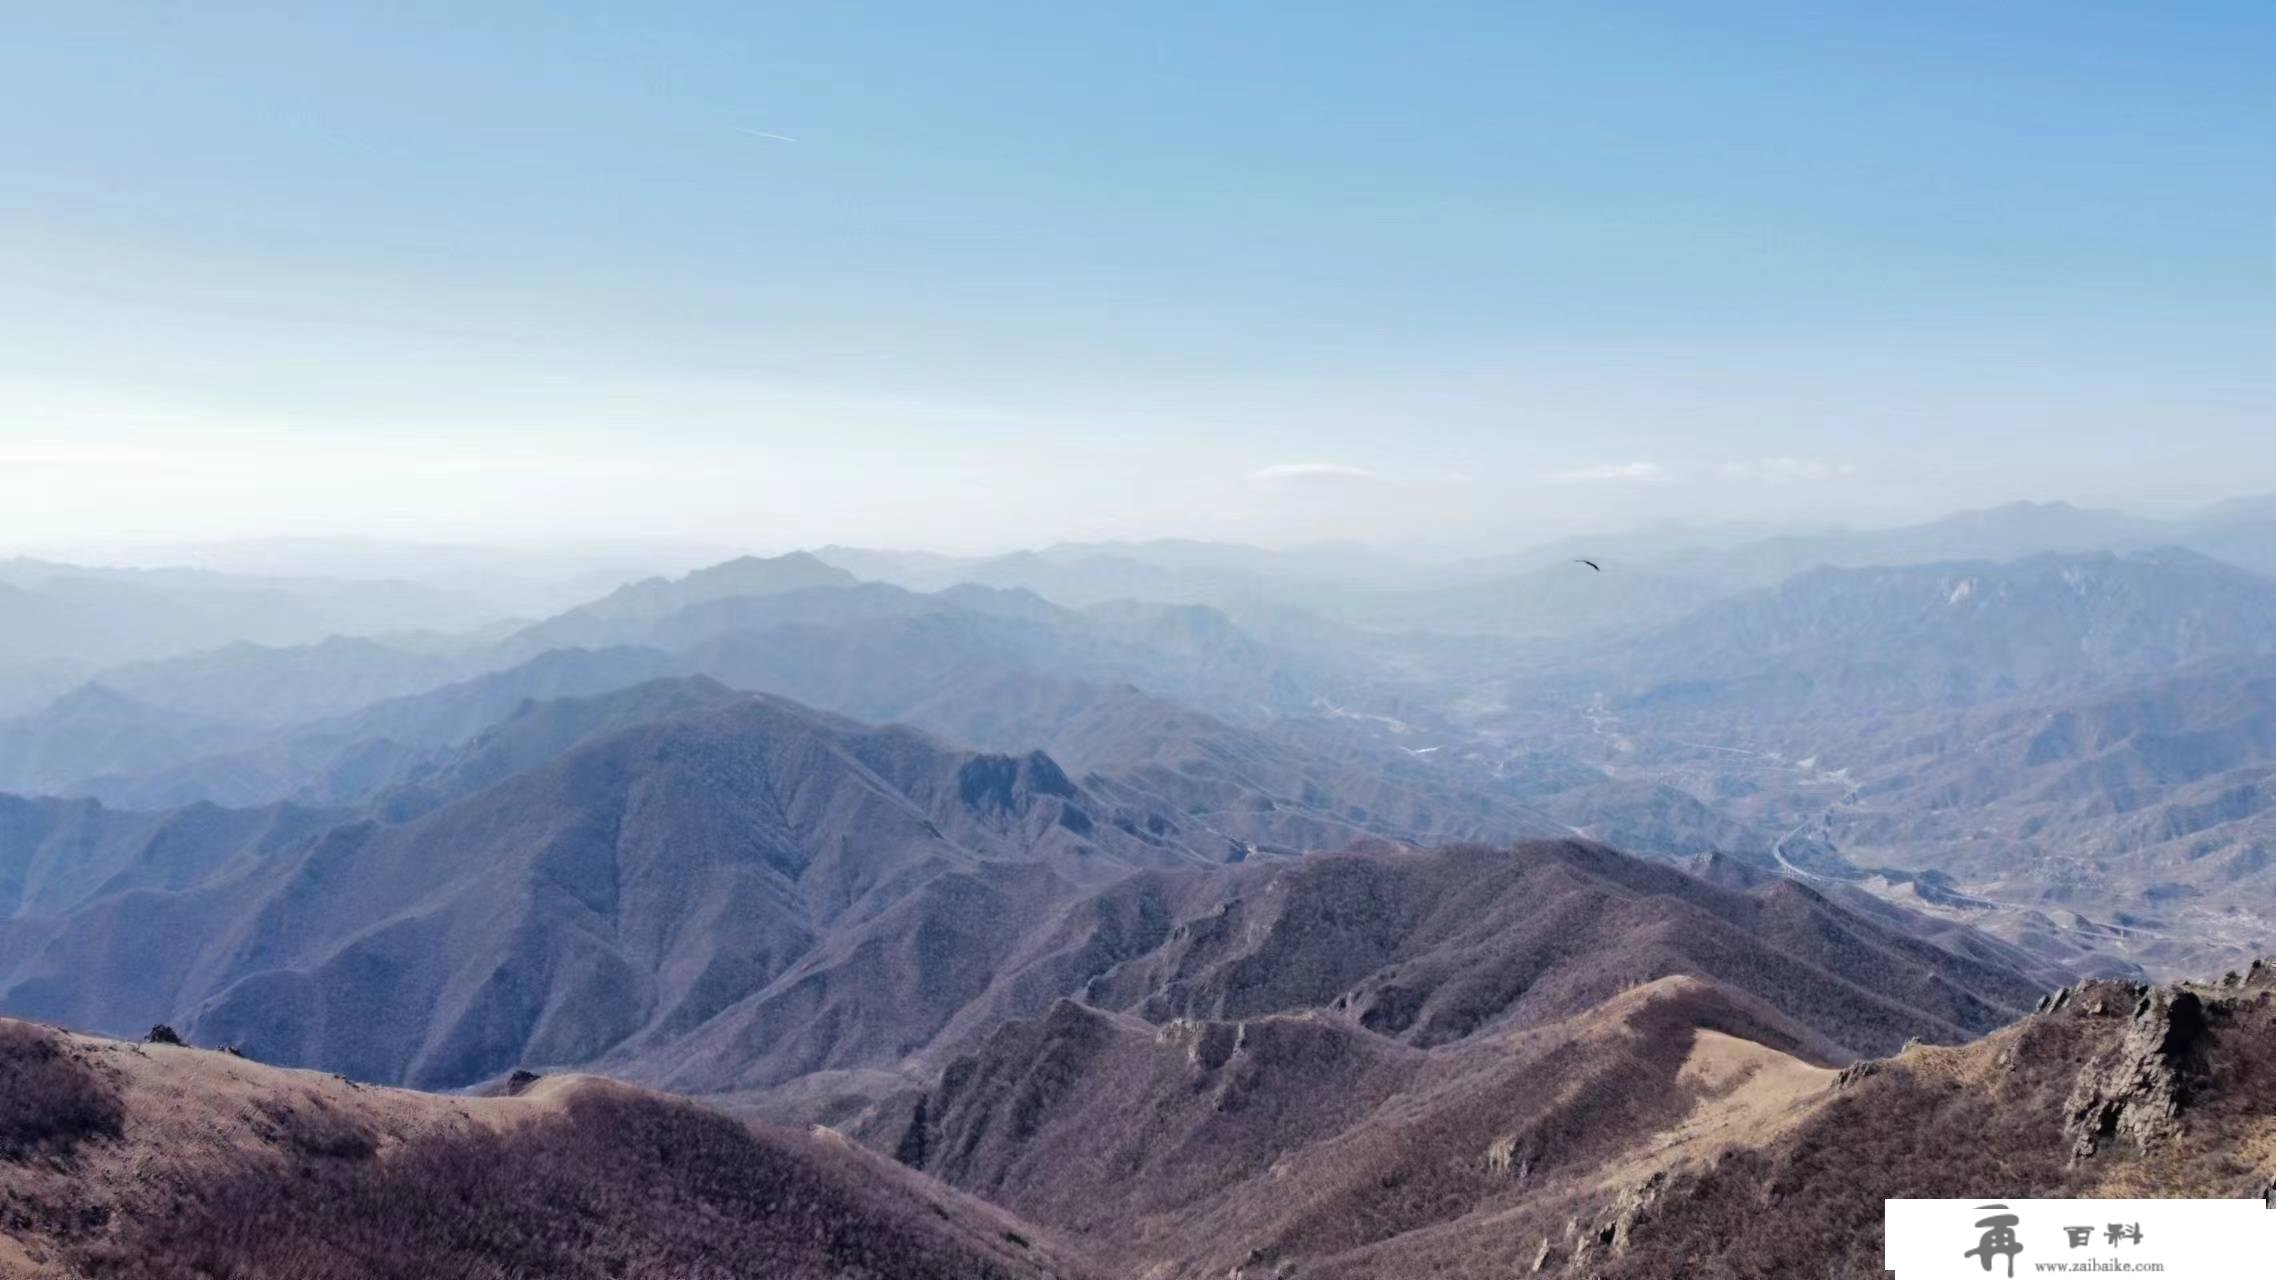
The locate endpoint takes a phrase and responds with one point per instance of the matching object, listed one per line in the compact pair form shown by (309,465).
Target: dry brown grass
(50,1099)
(189,1165)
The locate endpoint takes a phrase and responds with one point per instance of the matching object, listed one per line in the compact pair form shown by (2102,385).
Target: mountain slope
(320,721)
(352,758)
(260,685)
(2120,1090)
(2153,808)
(57,855)
(1204,1147)
(733,853)
(1429,947)
(1953,635)
(65,622)
(1677,1128)
(94,730)
(2134,819)
(745,576)
(120,1160)
(2014,531)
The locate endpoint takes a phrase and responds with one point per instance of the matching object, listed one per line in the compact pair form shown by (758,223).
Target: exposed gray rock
(2138,1092)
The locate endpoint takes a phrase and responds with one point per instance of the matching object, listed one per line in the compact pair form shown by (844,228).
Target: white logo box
(2179,1239)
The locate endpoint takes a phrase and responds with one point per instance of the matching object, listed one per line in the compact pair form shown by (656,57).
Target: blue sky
(974,276)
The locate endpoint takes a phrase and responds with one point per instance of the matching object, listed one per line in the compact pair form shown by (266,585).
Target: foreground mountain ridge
(1677,1129)
(158,1161)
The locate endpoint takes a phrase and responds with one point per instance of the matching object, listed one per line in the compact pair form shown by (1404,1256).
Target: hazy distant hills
(131,609)
(2006,743)
(1341,694)
(648,611)
(69,622)
(984,680)
(2155,807)
(57,855)
(1714,720)
(1541,592)
(65,622)
(2013,532)
(95,730)
(263,686)
(340,759)
(744,576)
(1875,641)
(1181,650)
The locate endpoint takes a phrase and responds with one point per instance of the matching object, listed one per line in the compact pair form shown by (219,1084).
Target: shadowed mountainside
(1203,1147)
(1430,947)
(638,884)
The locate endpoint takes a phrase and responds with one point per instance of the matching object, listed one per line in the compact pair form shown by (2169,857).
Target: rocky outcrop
(1610,1233)
(2137,1092)
(1862,1069)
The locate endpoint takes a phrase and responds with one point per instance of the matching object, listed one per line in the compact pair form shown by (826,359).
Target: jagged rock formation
(2111,1089)
(2138,1090)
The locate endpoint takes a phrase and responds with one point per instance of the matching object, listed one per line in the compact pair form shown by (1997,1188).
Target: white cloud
(1612,473)
(1286,472)
(1786,470)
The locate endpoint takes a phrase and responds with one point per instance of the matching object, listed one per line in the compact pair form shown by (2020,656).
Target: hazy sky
(978,275)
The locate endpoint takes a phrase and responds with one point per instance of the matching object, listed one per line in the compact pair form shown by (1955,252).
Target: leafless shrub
(49,1101)
(629,1189)
(315,1128)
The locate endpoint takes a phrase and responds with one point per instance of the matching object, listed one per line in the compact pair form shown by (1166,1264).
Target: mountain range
(1162,910)
(1678,1126)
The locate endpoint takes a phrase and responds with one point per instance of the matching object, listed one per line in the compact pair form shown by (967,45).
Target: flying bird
(1591,564)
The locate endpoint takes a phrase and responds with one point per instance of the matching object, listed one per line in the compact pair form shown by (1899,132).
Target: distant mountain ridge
(601,877)
(1728,730)
(1950,634)
(1532,592)
(727,892)
(566,905)
(67,622)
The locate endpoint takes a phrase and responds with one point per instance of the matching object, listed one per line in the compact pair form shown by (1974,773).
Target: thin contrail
(762,133)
